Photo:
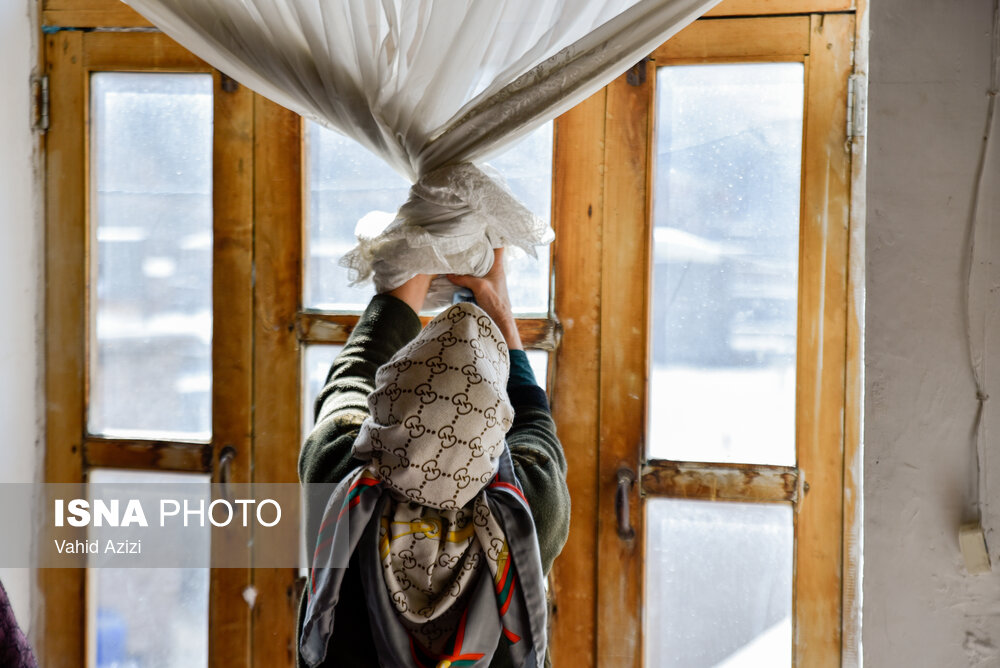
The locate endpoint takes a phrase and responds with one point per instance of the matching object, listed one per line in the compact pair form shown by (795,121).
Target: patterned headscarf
(440,411)
(446,543)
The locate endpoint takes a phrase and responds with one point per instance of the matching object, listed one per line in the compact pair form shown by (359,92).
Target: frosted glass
(725,253)
(151,209)
(346,181)
(148,617)
(527,167)
(718,584)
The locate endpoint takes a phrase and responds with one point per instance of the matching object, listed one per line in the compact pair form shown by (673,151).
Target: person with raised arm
(451,501)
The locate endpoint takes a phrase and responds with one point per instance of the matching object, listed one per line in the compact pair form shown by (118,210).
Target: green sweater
(386,326)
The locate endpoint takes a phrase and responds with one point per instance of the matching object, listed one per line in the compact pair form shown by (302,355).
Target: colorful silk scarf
(445,540)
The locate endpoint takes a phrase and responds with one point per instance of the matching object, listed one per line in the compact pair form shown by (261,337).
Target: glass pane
(151,211)
(527,167)
(346,181)
(148,617)
(725,275)
(718,584)
(539,361)
(317,360)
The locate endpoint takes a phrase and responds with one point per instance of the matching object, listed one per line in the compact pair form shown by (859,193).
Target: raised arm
(389,323)
(537,453)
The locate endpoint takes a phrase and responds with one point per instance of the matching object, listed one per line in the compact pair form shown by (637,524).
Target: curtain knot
(453,219)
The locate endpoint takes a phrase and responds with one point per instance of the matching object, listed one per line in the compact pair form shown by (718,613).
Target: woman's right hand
(414,291)
(491,296)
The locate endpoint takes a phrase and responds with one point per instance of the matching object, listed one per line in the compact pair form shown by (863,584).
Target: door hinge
(857,106)
(40,101)
(636,76)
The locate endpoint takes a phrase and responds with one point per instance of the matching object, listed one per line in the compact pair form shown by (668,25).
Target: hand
(414,291)
(491,296)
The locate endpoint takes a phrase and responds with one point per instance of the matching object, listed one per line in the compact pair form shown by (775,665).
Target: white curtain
(430,86)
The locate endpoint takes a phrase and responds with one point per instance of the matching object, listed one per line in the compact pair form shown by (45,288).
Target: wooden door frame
(600,397)
(254,352)
(279,325)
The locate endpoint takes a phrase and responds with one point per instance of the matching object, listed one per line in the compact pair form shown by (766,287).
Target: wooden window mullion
(822,344)
(334,328)
(578,218)
(232,357)
(278,244)
(624,360)
(61,637)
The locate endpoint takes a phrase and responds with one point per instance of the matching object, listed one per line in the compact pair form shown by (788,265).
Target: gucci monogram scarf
(446,543)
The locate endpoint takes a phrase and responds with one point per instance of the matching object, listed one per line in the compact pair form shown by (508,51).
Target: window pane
(725,276)
(346,181)
(527,167)
(151,212)
(148,617)
(317,360)
(539,361)
(718,584)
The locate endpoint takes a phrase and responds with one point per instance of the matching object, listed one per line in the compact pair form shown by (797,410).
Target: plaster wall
(20,271)
(929,69)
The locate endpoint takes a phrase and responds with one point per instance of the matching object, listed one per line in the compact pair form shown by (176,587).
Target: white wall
(929,73)
(20,270)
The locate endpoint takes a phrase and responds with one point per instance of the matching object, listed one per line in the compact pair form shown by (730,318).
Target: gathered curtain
(432,87)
